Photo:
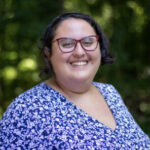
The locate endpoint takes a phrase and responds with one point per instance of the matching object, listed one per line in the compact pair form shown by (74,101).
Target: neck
(72,89)
(76,86)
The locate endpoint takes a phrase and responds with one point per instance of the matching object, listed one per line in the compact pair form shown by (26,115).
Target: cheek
(58,60)
(97,55)
(97,59)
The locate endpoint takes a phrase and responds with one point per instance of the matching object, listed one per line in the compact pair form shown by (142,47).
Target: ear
(47,52)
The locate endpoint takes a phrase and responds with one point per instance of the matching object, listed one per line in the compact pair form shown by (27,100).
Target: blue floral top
(43,119)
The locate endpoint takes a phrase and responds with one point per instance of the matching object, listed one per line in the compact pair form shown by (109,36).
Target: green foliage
(21,25)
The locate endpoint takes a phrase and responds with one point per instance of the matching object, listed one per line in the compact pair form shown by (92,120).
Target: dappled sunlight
(27,64)
(139,18)
(144,107)
(9,73)
(35,76)
(146,73)
(105,16)
(68,4)
(12,55)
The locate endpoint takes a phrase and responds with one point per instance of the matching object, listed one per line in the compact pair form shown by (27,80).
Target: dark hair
(46,40)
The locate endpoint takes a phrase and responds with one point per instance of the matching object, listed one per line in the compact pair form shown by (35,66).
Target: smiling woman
(79,65)
(69,110)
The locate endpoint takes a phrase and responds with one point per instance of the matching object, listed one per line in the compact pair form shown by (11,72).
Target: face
(79,65)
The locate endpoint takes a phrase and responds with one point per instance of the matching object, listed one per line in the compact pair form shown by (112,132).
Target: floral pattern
(42,118)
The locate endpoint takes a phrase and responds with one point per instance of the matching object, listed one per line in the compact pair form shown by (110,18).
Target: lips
(79,63)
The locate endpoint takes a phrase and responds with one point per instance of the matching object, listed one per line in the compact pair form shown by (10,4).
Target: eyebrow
(75,38)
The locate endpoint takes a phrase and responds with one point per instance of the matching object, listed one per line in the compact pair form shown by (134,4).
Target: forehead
(73,27)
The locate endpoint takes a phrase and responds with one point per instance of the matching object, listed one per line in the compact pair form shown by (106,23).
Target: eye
(88,41)
(67,43)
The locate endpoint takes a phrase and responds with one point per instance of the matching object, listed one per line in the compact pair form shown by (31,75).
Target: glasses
(88,43)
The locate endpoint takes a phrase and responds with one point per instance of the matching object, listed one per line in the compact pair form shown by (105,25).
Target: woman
(69,110)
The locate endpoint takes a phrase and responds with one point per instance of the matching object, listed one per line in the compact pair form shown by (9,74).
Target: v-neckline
(86,114)
(100,89)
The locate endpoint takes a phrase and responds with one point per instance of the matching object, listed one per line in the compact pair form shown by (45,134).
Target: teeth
(79,63)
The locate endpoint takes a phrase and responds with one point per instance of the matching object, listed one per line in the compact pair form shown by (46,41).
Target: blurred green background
(126,23)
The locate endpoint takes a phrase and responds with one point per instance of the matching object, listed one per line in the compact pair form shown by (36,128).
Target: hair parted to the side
(46,40)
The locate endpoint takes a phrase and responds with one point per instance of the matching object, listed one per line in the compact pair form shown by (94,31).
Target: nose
(79,51)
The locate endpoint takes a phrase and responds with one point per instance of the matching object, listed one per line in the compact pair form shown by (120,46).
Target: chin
(82,78)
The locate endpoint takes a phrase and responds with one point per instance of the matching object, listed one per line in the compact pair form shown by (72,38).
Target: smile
(80,63)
